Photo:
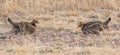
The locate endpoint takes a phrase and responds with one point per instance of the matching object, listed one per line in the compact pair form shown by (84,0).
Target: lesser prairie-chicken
(24,27)
(94,27)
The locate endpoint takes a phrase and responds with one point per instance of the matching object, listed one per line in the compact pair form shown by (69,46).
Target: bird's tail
(107,21)
(9,20)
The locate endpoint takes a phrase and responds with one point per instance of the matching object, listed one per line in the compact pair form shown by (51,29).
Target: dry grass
(57,32)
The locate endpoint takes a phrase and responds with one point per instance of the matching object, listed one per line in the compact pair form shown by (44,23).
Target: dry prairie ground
(57,32)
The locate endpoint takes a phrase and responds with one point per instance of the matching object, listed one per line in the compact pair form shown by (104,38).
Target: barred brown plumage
(24,27)
(94,27)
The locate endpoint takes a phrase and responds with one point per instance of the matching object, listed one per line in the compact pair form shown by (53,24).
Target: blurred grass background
(63,16)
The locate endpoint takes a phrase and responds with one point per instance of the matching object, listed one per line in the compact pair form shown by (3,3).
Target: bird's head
(80,24)
(35,20)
